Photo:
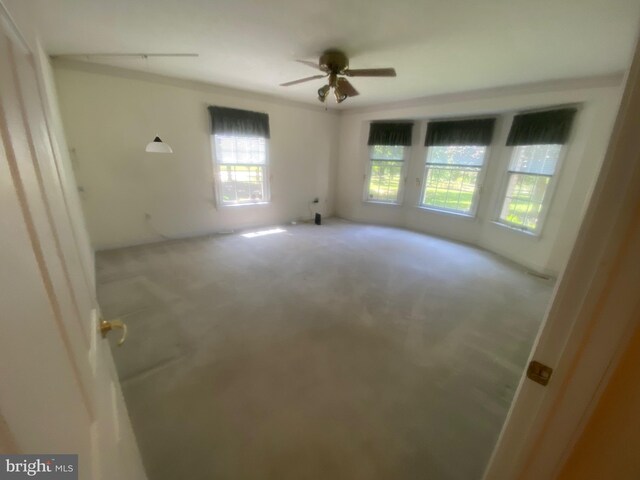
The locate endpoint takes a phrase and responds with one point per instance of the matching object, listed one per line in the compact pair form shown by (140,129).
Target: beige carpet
(343,351)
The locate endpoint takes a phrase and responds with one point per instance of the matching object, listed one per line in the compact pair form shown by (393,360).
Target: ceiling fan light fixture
(158,146)
(323,92)
(340,97)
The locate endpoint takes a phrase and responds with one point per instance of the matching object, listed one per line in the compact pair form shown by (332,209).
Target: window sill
(439,211)
(533,235)
(386,204)
(233,205)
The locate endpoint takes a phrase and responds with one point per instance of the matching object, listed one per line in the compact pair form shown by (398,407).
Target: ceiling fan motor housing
(333,61)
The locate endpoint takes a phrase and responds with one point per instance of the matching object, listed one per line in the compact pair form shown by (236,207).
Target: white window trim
(406,155)
(449,213)
(475,201)
(546,203)
(218,178)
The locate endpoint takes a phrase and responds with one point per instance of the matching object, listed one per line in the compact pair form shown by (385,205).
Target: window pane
(384,181)
(523,202)
(387,152)
(450,188)
(242,183)
(231,149)
(541,159)
(457,155)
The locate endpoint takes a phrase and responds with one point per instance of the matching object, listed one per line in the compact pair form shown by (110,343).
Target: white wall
(111,114)
(598,98)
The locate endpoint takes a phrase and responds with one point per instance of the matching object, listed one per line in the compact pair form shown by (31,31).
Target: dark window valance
(390,134)
(460,132)
(231,121)
(541,128)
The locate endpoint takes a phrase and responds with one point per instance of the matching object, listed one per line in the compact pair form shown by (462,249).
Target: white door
(59,392)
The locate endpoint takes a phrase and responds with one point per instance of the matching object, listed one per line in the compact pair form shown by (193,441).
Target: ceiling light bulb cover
(158,146)
(340,97)
(322,93)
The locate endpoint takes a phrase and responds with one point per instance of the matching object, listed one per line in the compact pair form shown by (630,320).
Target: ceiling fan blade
(371,72)
(302,80)
(345,87)
(309,64)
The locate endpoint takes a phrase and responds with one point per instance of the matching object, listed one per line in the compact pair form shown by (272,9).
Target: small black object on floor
(318,219)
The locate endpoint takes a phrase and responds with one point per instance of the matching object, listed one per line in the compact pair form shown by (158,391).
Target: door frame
(595,308)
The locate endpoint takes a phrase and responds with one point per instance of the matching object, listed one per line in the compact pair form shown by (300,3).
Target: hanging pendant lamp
(158,146)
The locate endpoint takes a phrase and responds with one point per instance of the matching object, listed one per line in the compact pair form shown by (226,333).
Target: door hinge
(539,372)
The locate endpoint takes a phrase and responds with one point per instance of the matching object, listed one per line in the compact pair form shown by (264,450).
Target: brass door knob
(107,325)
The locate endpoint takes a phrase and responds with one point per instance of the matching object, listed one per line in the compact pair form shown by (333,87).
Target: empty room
(319,240)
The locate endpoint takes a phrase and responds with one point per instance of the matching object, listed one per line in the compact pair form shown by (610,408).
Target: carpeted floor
(340,351)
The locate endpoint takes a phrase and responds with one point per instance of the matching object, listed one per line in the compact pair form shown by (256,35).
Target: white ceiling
(436,46)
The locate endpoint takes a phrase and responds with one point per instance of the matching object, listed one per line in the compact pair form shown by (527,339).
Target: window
(388,144)
(240,144)
(386,168)
(242,169)
(530,170)
(452,176)
(455,157)
(537,140)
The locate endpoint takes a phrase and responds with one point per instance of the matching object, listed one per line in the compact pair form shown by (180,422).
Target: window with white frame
(386,173)
(452,177)
(530,172)
(241,155)
(537,140)
(242,169)
(388,143)
(453,169)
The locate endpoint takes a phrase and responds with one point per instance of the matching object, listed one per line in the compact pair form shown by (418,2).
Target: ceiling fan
(335,66)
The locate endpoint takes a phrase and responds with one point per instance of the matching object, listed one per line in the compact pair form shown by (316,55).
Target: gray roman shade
(398,133)
(460,132)
(231,121)
(541,128)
